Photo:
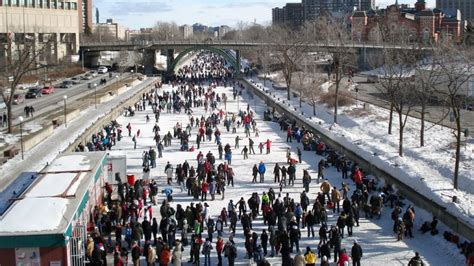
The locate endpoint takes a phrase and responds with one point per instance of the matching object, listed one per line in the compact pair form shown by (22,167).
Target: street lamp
(95,95)
(65,118)
(21,136)
(131,72)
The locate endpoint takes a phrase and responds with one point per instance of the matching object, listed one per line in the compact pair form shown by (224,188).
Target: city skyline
(145,13)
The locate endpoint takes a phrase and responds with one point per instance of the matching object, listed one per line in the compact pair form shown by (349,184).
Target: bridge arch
(228,57)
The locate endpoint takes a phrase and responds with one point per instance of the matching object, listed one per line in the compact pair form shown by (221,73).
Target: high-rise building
(361,5)
(186,31)
(465,6)
(223,30)
(52,26)
(293,14)
(109,31)
(278,16)
(312,9)
(85,15)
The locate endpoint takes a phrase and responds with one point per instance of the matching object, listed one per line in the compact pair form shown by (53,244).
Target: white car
(102,70)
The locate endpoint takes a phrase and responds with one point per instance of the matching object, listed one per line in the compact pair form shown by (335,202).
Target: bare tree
(454,66)
(265,61)
(397,86)
(17,65)
(334,33)
(123,61)
(313,90)
(164,31)
(289,47)
(425,80)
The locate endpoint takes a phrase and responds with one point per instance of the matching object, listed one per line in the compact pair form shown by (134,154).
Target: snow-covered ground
(429,169)
(375,236)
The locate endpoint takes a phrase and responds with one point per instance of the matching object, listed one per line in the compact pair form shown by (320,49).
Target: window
(61,5)
(74,5)
(14,2)
(29,3)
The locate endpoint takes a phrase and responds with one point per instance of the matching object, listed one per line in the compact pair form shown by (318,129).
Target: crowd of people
(128,228)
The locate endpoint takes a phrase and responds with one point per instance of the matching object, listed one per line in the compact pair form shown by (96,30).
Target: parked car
(48,90)
(87,77)
(102,70)
(67,84)
(76,80)
(34,93)
(93,73)
(18,98)
(372,79)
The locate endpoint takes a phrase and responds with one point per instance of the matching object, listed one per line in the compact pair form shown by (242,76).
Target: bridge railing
(350,44)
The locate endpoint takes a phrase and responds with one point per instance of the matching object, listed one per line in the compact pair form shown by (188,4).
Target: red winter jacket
(204,187)
(343,258)
(358,176)
(220,246)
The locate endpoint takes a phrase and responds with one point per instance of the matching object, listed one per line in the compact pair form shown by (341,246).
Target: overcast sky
(137,14)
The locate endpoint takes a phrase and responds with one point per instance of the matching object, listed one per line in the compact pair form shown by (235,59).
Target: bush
(328,99)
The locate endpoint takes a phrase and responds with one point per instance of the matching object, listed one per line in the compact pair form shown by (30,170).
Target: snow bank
(428,169)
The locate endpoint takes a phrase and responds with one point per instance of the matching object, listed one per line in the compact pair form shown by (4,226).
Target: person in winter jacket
(326,188)
(151,257)
(299,260)
(206,250)
(219,249)
(177,253)
(261,170)
(343,258)
(356,254)
(325,261)
(135,254)
(416,261)
(309,257)
(165,256)
(204,189)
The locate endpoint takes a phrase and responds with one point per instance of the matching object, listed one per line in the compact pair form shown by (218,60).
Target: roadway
(436,114)
(50,102)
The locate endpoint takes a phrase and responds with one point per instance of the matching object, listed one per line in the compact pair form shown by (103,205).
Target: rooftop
(55,196)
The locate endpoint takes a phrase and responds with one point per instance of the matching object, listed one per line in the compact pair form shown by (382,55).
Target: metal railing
(172,43)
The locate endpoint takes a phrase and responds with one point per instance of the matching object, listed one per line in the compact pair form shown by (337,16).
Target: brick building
(405,24)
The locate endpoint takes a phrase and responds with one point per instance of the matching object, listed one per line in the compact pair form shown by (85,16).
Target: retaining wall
(373,166)
(112,115)
(34,139)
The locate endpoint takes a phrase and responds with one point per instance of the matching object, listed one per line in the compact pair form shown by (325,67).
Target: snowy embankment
(61,139)
(429,169)
(375,236)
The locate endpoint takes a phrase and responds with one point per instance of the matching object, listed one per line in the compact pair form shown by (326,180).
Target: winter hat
(346,263)
(325,258)
(355,241)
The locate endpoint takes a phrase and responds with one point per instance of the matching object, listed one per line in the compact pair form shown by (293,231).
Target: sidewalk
(45,152)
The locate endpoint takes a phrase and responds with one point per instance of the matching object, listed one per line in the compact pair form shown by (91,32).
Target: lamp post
(116,80)
(65,117)
(21,136)
(95,95)
(132,72)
